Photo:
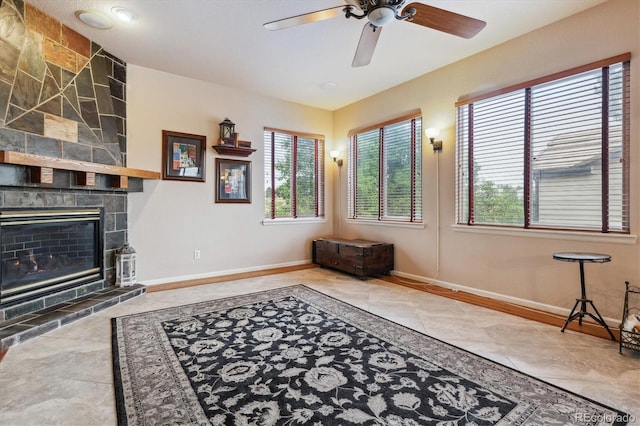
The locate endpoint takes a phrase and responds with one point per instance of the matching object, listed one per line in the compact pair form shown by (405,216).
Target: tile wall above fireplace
(62,96)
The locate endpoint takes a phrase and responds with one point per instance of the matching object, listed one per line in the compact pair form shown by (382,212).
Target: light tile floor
(65,376)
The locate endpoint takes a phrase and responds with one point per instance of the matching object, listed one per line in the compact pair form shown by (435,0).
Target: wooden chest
(361,258)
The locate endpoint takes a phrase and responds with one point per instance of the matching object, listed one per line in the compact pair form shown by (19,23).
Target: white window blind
(294,174)
(552,154)
(385,174)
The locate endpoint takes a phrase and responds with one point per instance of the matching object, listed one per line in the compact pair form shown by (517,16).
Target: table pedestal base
(583,312)
(581,258)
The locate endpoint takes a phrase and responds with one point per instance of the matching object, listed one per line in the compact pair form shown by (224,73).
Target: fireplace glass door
(44,251)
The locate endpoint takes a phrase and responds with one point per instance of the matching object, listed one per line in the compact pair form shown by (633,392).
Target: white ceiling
(224,42)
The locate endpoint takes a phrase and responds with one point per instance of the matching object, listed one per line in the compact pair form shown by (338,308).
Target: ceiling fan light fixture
(379,13)
(381,16)
(93,19)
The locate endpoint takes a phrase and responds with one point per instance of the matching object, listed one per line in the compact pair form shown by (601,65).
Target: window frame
(415,216)
(465,160)
(270,174)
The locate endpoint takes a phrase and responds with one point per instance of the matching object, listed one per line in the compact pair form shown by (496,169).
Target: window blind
(385,174)
(548,155)
(294,174)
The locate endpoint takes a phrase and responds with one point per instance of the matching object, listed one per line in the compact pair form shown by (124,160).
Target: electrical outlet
(196,254)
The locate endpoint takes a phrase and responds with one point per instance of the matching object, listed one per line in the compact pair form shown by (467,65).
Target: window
(294,174)
(550,154)
(385,171)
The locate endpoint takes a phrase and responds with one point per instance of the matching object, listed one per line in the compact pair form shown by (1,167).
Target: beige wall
(515,266)
(172,218)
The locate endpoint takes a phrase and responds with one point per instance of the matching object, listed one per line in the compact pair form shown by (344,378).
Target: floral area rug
(294,356)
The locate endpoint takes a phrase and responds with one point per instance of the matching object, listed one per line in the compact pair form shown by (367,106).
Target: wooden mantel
(42,169)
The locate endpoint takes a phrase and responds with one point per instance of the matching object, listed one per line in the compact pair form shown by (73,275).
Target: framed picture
(183,156)
(233,181)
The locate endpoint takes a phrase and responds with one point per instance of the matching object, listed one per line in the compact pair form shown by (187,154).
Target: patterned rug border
(239,300)
(121,416)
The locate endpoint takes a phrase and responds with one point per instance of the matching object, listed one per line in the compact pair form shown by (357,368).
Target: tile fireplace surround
(21,321)
(62,97)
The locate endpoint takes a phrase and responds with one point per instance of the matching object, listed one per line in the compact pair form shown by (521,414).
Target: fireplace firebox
(48,250)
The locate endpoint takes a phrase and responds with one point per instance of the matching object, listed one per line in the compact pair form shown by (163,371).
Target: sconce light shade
(432,133)
(335,154)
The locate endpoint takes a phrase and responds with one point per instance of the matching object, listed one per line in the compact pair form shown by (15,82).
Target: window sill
(292,221)
(385,223)
(554,235)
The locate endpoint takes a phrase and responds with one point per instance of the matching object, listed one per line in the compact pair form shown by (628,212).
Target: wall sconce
(432,133)
(335,154)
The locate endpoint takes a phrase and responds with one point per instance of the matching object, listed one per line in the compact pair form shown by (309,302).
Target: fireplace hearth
(44,251)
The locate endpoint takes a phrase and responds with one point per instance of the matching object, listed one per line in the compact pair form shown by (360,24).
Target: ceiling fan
(381,12)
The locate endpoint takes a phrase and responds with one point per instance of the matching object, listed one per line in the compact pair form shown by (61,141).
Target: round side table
(581,258)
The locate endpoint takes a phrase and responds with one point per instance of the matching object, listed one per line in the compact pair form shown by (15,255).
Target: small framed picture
(183,156)
(233,181)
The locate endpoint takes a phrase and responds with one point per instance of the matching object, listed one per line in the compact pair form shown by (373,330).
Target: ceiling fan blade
(444,20)
(366,45)
(305,18)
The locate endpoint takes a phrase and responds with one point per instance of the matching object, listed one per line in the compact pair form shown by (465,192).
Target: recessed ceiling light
(94,19)
(123,14)
(328,85)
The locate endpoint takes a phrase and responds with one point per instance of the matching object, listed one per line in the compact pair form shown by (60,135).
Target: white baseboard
(215,274)
(496,296)
(444,284)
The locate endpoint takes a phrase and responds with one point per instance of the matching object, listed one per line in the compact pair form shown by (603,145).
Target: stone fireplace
(105,222)
(63,145)
(34,303)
